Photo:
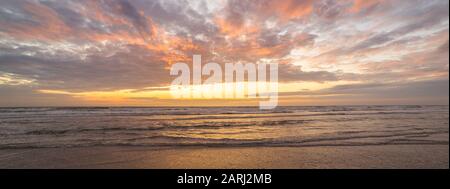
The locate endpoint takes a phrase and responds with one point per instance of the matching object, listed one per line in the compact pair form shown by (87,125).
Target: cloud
(421,21)
(108,45)
(24,96)
(120,71)
(429,88)
(139,21)
(429,92)
(361,5)
(291,73)
(32,21)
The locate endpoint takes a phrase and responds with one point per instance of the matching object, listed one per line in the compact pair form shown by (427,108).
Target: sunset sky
(119,52)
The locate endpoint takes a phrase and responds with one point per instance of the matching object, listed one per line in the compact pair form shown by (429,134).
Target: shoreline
(397,156)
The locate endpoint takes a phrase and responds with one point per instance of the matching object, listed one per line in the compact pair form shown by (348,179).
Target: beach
(225,137)
(342,157)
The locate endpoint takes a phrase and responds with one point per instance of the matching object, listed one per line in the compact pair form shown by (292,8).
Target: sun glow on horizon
(135,96)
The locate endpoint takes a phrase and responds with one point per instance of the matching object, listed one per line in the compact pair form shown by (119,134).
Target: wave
(247,144)
(180,141)
(164,126)
(225,126)
(207,110)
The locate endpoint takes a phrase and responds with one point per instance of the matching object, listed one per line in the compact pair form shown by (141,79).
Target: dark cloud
(292,73)
(431,92)
(125,8)
(178,18)
(329,9)
(120,71)
(25,96)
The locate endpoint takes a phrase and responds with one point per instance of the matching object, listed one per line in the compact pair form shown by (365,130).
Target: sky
(119,52)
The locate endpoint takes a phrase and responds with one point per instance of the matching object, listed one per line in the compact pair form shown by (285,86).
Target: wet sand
(384,156)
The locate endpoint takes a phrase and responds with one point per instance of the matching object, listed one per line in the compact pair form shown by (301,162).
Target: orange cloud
(95,11)
(359,5)
(291,9)
(50,26)
(233,30)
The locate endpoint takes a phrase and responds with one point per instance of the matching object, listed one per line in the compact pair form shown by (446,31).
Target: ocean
(60,127)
